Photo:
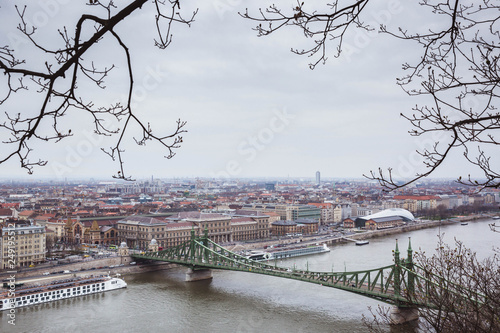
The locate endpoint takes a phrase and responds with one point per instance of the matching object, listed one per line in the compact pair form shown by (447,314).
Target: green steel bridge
(402,284)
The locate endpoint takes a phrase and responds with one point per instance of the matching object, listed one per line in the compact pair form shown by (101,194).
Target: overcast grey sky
(253,108)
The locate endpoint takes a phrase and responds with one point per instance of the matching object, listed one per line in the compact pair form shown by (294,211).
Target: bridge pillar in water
(403,315)
(198,274)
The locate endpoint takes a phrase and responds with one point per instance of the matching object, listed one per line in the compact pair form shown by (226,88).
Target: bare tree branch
(58,82)
(323,27)
(458,72)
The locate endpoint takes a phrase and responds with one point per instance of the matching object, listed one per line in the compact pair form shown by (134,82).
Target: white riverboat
(258,255)
(299,251)
(288,252)
(16,296)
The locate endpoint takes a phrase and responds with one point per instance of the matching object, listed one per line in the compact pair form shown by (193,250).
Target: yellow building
(244,228)
(379,223)
(138,231)
(55,226)
(260,229)
(22,244)
(177,233)
(218,225)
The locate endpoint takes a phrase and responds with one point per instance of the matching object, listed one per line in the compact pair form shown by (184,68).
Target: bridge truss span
(402,284)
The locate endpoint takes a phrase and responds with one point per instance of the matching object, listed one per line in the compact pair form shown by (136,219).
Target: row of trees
(442,212)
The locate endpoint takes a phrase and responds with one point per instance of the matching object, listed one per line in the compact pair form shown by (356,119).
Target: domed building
(153,246)
(388,218)
(123,250)
(403,213)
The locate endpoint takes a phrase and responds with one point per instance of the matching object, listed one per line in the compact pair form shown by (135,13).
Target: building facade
(303,212)
(341,212)
(414,203)
(138,231)
(22,244)
(327,213)
(263,226)
(379,223)
(283,228)
(243,229)
(299,226)
(77,231)
(218,225)
(348,223)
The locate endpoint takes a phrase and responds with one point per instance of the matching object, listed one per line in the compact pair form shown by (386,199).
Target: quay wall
(97,266)
(398,230)
(406,228)
(362,235)
(356,236)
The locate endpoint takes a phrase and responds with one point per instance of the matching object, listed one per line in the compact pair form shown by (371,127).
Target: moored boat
(288,252)
(258,255)
(30,295)
(299,251)
(362,242)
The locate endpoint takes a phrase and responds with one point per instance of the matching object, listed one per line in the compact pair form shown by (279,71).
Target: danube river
(240,302)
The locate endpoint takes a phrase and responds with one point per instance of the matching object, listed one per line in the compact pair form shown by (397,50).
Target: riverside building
(22,244)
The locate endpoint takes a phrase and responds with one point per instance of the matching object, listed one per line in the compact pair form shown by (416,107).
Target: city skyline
(282,180)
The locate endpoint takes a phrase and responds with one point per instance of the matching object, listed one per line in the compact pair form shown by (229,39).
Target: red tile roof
(26,213)
(10,205)
(320,205)
(415,197)
(5,212)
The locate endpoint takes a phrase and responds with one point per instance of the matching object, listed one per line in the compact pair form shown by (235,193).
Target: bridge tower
(411,274)
(402,313)
(195,273)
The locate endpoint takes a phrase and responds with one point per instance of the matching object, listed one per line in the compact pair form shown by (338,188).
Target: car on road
(45,273)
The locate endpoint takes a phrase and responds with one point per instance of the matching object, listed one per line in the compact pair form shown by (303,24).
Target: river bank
(398,230)
(364,235)
(110,266)
(121,265)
